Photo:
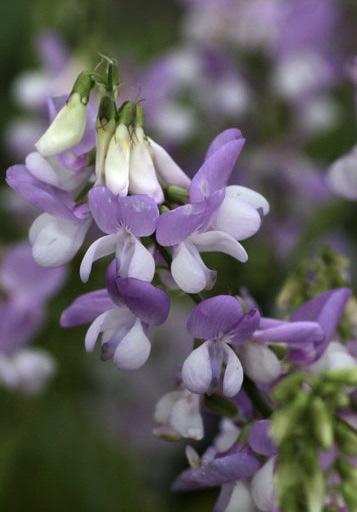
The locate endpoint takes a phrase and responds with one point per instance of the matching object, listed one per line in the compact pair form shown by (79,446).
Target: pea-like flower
(223,324)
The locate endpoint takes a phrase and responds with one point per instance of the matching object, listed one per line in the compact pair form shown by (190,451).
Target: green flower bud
(349,495)
(127,113)
(347,376)
(288,388)
(285,419)
(346,438)
(176,194)
(321,423)
(83,86)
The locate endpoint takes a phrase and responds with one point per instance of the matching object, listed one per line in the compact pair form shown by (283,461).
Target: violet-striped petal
(235,466)
(214,317)
(292,333)
(223,138)
(260,439)
(197,370)
(327,310)
(138,214)
(245,328)
(215,172)
(86,308)
(41,195)
(176,225)
(189,271)
(147,302)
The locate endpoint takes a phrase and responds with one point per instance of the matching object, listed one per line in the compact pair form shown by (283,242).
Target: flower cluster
(22,314)
(97,175)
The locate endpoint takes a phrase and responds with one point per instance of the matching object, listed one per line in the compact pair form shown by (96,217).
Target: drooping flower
(214,220)
(120,318)
(223,324)
(124,219)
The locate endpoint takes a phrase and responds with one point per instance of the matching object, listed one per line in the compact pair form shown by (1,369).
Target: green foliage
(307,422)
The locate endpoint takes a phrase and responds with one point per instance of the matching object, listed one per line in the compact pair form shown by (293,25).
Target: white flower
(28,370)
(178,415)
(342,175)
(66,130)
(56,240)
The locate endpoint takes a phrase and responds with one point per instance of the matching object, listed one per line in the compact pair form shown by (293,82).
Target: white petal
(218,241)
(100,248)
(133,350)
(104,135)
(259,362)
(66,130)
(227,437)
(142,175)
(189,271)
(342,176)
(196,370)
(237,218)
(263,486)
(117,162)
(233,374)
(164,406)
(134,259)
(93,332)
(249,196)
(241,499)
(41,169)
(186,418)
(168,171)
(55,241)
(34,368)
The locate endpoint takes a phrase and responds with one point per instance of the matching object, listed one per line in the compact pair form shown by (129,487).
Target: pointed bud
(346,438)
(67,128)
(105,127)
(285,419)
(347,376)
(349,495)
(176,194)
(117,162)
(322,423)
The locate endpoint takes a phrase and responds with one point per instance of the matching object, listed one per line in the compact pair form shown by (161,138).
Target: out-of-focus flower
(177,415)
(342,176)
(26,288)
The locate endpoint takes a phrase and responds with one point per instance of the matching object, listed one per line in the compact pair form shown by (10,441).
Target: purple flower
(222,323)
(26,287)
(124,219)
(306,335)
(56,235)
(214,220)
(122,325)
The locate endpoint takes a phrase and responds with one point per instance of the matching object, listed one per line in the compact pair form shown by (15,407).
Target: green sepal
(83,86)
(221,405)
(176,194)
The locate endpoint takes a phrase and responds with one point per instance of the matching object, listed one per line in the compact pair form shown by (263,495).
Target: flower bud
(105,128)
(346,438)
(67,128)
(322,423)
